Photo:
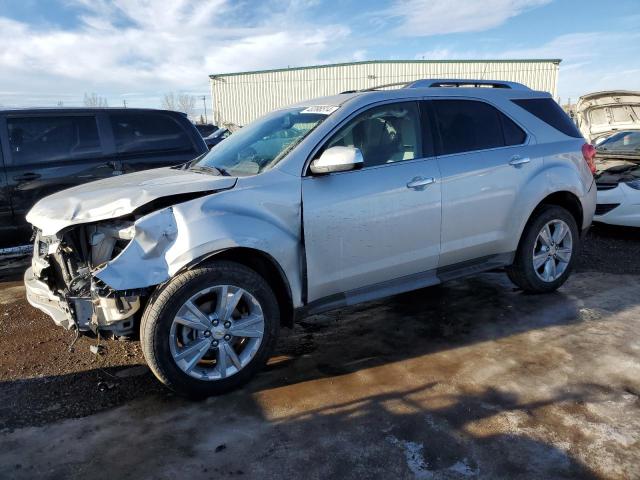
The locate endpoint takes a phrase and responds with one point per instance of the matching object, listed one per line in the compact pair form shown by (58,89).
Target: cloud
(437,17)
(128,46)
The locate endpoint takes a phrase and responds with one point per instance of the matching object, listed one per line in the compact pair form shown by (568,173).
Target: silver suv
(327,203)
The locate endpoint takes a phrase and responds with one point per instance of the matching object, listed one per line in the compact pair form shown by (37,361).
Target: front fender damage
(143,262)
(171,239)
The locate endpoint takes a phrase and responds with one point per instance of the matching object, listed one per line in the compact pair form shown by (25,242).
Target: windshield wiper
(210,169)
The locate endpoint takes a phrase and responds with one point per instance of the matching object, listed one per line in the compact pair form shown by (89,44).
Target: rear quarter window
(143,132)
(547,110)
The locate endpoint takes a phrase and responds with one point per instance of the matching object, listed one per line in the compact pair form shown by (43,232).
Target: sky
(54,51)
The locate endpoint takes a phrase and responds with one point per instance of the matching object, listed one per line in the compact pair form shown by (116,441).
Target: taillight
(589,154)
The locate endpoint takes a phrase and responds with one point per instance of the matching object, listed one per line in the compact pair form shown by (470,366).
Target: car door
(47,153)
(376,230)
(7,228)
(483,159)
(145,140)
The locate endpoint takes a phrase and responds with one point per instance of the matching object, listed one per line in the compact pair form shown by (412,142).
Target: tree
(94,100)
(182,103)
(169,101)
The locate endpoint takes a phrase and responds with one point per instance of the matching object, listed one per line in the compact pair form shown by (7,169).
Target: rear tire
(547,251)
(233,329)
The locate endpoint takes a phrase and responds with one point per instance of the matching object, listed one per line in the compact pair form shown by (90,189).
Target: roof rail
(462,82)
(446,83)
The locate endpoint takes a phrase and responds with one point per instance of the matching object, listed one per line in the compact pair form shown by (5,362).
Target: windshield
(261,144)
(622,141)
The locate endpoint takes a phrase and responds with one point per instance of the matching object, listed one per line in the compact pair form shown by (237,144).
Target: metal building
(239,98)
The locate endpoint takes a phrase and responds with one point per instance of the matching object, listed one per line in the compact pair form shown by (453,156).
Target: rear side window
(547,110)
(468,125)
(141,132)
(49,139)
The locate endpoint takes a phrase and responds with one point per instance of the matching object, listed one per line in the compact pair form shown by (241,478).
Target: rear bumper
(41,297)
(627,211)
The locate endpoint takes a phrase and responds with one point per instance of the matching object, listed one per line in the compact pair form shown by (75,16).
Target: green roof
(370,62)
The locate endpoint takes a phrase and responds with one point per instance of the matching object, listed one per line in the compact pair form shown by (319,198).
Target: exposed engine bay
(611,173)
(66,263)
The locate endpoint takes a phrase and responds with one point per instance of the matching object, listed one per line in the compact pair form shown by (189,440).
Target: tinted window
(386,134)
(467,125)
(48,139)
(141,132)
(547,110)
(513,134)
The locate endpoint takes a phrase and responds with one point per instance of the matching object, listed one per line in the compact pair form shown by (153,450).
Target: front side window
(142,132)
(50,139)
(263,143)
(386,134)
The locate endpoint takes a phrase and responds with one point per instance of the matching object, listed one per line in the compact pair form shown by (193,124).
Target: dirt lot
(471,379)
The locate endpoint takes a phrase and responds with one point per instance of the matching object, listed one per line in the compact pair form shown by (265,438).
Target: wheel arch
(566,200)
(263,264)
(561,198)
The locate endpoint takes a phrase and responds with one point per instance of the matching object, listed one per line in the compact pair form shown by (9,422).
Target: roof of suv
(62,110)
(373,95)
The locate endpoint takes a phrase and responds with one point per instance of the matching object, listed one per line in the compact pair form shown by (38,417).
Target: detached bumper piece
(113,313)
(41,297)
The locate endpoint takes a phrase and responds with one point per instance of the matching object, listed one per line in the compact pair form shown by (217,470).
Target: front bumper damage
(112,313)
(51,286)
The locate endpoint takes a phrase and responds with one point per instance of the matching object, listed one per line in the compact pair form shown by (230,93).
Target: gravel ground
(43,383)
(611,249)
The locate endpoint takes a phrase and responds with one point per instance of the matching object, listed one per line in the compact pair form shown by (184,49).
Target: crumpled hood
(117,196)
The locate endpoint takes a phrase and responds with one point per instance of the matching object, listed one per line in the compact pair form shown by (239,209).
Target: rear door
(484,161)
(146,140)
(378,227)
(48,153)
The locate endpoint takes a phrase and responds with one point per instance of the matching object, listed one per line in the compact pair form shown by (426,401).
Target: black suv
(47,150)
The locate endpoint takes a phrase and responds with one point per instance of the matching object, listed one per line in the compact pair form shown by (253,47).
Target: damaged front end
(62,282)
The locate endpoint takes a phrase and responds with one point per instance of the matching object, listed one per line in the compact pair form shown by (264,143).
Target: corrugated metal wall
(239,98)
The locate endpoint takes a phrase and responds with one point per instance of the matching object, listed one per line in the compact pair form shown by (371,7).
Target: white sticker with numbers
(321,109)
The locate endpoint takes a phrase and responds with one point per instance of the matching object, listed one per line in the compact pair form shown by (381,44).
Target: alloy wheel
(552,250)
(217,332)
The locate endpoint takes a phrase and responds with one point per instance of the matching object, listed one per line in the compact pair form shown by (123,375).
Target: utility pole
(124,102)
(204,102)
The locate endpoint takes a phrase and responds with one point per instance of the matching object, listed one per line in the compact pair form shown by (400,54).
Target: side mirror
(337,159)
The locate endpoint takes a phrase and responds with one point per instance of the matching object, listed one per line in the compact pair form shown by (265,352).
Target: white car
(619,195)
(618,180)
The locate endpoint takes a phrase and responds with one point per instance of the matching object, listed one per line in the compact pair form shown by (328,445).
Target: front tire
(210,329)
(547,251)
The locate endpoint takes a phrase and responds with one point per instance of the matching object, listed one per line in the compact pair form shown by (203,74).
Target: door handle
(418,183)
(518,160)
(27,177)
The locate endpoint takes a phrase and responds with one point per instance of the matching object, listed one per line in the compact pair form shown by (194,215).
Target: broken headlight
(108,239)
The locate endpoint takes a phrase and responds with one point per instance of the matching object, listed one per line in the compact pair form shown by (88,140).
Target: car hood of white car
(117,196)
(601,114)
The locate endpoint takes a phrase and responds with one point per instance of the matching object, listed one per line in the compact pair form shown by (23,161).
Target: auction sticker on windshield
(320,109)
